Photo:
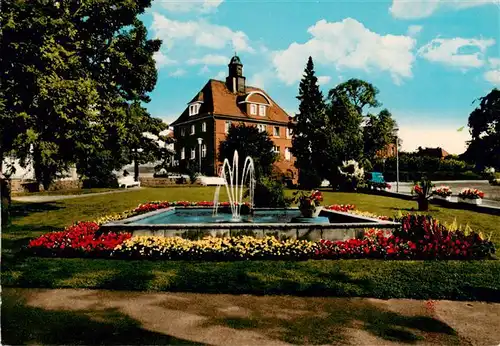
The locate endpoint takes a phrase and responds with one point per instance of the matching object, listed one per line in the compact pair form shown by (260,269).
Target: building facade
(215,108)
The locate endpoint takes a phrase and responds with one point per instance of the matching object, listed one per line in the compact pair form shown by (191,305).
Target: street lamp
(396,129)
(199,143)
(136,162)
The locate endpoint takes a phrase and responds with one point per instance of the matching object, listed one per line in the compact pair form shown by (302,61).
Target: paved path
(53,198)
(77,316)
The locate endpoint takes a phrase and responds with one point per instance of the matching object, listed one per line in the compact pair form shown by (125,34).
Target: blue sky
(430,59)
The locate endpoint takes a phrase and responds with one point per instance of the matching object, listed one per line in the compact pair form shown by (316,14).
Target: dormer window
(194,109)
(253,109)
(262,110)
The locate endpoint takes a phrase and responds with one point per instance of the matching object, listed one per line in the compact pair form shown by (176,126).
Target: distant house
(388,151)
(438,152)
(219,105)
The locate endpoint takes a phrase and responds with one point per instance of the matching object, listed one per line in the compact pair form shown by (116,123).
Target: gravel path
(53,198)
(78,316)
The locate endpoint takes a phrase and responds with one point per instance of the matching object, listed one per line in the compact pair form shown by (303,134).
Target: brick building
(219,105)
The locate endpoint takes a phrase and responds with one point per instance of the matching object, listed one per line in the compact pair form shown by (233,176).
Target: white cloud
(162,60)
(322,80)
(201,33)
(493,76)
(200,6)
(347,44)
(414,30)
(494,62)
(448,138)
(413,9)
(221,75)
(178,73)
(204,70)
(210,59)
(259,79)
(447,51)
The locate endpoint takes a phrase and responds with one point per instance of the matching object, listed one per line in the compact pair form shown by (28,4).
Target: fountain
(233,189)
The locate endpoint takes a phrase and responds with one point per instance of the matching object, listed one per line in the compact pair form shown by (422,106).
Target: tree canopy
(69,71)
(306,127)
(249,141)
(484,124)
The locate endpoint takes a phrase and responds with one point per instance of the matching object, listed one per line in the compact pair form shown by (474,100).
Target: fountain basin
(196,222)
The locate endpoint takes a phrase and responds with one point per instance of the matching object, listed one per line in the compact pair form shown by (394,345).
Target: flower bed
(471,194)
(419,238)
(442,191)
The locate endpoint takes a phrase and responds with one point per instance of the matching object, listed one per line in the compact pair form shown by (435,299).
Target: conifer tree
(306,126)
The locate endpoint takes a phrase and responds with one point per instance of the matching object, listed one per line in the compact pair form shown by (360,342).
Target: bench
(128,182)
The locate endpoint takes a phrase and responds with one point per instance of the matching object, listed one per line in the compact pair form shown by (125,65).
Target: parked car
(376,180)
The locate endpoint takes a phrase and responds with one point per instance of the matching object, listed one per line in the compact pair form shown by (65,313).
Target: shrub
(269,193)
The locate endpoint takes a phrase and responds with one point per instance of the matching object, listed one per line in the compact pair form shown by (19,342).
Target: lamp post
(199,144)
(136,162)
(396,129)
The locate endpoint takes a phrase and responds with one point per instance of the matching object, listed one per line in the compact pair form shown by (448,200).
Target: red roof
(217,99)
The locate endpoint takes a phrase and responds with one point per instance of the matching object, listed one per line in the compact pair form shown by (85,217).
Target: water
(234,188)
(190,216)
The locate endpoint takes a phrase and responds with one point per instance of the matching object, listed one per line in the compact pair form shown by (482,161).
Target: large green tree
(69,70)
(249,141)
(484,124)
(305,127)
(378,132)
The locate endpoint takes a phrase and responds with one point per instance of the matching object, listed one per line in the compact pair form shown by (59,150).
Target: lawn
(62,192)
(372,278)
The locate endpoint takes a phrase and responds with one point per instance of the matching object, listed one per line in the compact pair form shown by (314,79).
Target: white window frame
(288,154)
(204,126)
(227,126)
(276,149)
(288,133)
(262,127)
(203,150)
(193,153)
(183,131)
(183,153)
(274,131)
(262,110)
(193,129)
(194,109)
(253,109)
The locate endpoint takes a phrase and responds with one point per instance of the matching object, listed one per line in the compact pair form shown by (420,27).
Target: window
(261,127)
(253,109)
(262,110)
(228,126)
(194,109)
(288,155)
(276,131)
(183,153)
(193,153)
(183,131)
(276,149)
(192,129)
(203,127)
(203,150)
(288,133)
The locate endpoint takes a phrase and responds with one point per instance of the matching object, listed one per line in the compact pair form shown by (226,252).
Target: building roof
(436,152)
(219,100)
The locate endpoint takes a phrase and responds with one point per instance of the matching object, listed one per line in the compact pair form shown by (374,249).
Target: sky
(430,59)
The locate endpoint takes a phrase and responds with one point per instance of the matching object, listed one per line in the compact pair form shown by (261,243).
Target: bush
(270,193)
(5,201)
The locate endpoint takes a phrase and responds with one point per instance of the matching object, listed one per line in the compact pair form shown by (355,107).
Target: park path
(79,316)
(54,198)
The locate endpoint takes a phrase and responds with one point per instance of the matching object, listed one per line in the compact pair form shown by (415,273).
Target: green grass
(373,278)
(62,192)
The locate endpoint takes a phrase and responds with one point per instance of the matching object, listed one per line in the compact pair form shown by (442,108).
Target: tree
(378,133)
(357,92)
(484,124)
(249,141)
(69,70)
(306,126)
